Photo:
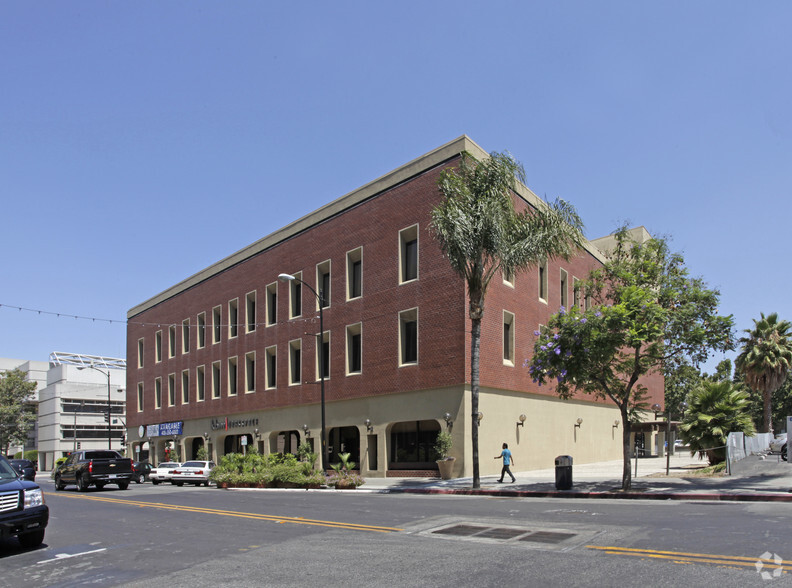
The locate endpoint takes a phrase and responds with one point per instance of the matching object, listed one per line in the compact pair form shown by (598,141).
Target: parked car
(142,471)
(163,472)
(25,467)
(778,442)
(23,513)
(192,472)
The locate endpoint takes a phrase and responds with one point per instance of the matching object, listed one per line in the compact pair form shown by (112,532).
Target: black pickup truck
(94,467)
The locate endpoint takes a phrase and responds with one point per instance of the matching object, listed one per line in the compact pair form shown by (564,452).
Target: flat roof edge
(390,179)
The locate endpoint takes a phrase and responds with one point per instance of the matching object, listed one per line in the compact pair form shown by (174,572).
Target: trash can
(563,472)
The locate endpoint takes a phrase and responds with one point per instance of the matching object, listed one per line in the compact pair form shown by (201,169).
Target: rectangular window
(564,290)
(250,372)
(233,318)
(508,338)
(217,317)
(140,397)
(543,281)
(295,296)
(158,346)
(171,389)
(140,353)
(272,304)
(408,337)
(158,393)
(202,330)
(270,367)
(295,361)
(323,284)
(408,254)
(508,278)
(215,380)
(232,376)
(323,356)
(186,336)
(577,298)
(355,273)
(354,345)
(200,384)
(185,387)
(172,341)
(250,312)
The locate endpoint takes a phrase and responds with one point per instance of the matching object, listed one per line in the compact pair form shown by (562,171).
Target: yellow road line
(682,557)
(230,513)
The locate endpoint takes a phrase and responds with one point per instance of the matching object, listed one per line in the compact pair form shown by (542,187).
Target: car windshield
(193,464)
(6,471)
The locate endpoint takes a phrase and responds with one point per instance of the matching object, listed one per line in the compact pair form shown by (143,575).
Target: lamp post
(109,424)
(320,299)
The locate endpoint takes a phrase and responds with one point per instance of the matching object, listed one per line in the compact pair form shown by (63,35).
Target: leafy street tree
(482,234)
(678,384)
(648,316)
(764,360)
(15,419)
(715,409)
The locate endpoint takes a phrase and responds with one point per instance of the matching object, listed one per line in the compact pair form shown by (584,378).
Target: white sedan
(163,472)
(192,472)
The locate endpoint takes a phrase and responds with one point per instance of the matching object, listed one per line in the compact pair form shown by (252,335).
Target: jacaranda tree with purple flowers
(647,316)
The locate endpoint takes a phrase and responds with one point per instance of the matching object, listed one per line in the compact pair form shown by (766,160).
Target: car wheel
(155,482)
(59,485)
(206,483)
(34,539)
(784,452)
(123,485)
(141,478)
(82,485)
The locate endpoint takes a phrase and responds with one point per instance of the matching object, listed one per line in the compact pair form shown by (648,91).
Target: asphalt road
(191,536)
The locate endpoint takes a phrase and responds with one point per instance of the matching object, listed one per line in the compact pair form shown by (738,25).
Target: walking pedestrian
(508,461)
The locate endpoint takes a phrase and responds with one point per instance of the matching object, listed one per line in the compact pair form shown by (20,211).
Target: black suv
(23,513)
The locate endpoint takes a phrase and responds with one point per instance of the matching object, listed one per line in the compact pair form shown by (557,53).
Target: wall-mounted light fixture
(521,423)
(256,434)
(449,422)
(306,430)
(479,416)
(578,423)
(369,428)
(615,424)
(206,437)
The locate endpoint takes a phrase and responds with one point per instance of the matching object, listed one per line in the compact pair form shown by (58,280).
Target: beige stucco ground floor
(394,435)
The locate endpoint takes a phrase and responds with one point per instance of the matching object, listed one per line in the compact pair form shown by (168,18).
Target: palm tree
(765,360)
(481,234)
(714,410)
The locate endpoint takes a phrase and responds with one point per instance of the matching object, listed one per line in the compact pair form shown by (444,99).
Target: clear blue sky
(142,141)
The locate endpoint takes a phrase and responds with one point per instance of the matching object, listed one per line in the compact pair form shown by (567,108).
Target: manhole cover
(460,530)
(502,533)
(547,537)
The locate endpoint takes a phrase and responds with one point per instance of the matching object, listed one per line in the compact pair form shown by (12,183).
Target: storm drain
(504,534)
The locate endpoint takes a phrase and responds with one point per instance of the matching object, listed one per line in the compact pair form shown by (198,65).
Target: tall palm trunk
(475,347)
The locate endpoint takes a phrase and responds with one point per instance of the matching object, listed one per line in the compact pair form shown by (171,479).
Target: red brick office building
(230,357)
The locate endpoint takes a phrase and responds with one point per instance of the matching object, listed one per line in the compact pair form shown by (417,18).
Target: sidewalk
(753,479)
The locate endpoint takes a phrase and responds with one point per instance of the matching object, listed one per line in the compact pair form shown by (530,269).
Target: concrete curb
(712,496)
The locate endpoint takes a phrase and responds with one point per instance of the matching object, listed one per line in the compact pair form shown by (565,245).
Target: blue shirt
(506,455)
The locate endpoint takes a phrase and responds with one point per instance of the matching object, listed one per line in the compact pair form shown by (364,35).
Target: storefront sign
(228,423)
(164,429)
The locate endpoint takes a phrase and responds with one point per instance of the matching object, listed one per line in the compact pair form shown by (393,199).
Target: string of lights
(191,324)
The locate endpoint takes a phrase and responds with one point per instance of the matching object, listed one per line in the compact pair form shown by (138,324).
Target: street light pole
(320,350)
(109,423)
